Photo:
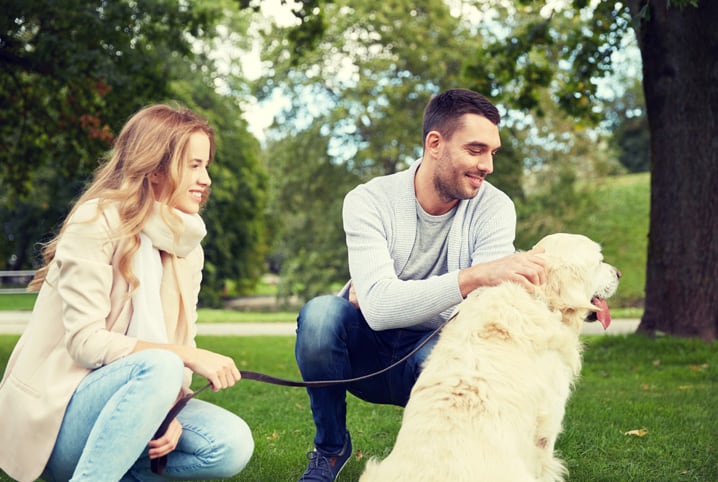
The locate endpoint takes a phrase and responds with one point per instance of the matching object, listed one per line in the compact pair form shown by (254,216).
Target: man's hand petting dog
(525,268)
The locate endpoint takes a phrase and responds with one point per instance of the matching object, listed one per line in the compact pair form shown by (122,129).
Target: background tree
(537,47)
(306,213)
(363,85)
(356,100)
(73,72)
(628,123)
(680,71)
(679,77)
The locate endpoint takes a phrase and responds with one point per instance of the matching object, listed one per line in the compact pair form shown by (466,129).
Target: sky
(260,116)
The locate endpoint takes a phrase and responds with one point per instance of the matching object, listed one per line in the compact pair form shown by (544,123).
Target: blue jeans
(115,411)
(335,342)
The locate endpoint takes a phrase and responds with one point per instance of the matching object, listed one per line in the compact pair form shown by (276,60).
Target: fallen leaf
(656,363)
(699,368)
(359,455)
(637,433)
(274,436)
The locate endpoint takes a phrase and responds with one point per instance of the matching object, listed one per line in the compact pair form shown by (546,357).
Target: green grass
(18,301)
(619,222)
(667,386)
(24,302)
(206,315)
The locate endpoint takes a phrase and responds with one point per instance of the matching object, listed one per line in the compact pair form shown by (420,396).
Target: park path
(13,323)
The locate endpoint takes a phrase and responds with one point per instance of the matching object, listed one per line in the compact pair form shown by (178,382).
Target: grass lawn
(619,222)
(17,301)
(667,387)
(24,302)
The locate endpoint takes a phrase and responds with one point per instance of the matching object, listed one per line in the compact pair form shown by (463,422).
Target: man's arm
(374,238)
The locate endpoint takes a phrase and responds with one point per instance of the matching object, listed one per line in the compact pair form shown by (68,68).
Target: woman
(110,344)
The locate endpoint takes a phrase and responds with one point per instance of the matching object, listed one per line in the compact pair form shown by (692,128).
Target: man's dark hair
(444,111)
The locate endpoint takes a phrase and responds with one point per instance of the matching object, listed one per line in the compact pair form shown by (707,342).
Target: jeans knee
(321,325)
(324,314)
(239,449)
(230,450)
(163,368)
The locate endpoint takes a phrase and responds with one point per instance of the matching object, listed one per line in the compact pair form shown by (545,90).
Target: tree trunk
(679,48)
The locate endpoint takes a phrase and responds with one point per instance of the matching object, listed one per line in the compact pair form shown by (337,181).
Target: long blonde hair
(152,142)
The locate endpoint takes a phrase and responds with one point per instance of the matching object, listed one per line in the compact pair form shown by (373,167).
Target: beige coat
(79,323)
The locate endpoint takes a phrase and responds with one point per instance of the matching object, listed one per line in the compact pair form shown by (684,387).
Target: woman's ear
(154,177)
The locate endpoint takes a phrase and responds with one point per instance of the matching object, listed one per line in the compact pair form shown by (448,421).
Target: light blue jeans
(115,411)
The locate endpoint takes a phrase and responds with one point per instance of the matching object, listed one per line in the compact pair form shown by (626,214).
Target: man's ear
(432,142)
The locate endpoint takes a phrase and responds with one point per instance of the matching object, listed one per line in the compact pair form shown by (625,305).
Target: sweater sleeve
(493,227)
(386,301)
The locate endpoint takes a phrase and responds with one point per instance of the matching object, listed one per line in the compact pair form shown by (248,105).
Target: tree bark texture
(679,48)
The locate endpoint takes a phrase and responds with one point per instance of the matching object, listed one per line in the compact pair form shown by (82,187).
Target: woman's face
(195,178)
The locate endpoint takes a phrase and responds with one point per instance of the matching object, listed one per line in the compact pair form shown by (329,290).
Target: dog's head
(578,282)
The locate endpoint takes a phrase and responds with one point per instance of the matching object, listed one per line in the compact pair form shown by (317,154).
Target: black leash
(158,465)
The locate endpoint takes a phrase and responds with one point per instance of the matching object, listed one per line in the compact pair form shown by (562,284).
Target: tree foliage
(532,55)
(72,73)
(357,99)
(363,85)
(306,213)
(679,65)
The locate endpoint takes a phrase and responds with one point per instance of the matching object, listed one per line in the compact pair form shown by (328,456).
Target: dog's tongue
(604,314)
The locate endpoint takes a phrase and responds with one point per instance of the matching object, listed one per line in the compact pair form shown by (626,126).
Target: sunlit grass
(666,386)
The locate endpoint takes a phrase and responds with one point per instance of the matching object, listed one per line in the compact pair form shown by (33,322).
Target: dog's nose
(618,274)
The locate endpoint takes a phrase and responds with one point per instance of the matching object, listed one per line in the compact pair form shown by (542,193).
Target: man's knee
(321,327)
(323,316)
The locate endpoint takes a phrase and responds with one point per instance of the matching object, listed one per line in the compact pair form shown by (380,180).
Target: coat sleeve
(84,275)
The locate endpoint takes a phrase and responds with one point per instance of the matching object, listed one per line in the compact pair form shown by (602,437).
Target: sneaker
(325,467)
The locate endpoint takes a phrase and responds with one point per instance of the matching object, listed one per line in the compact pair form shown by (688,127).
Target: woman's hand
(220,370)
(167,442)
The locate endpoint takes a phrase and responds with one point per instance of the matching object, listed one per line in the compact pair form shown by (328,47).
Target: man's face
(466,159)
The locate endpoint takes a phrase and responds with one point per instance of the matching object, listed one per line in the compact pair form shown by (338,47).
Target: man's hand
(525,268)
(353,296)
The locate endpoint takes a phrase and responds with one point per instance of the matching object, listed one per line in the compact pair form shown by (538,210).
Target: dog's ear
(566,287)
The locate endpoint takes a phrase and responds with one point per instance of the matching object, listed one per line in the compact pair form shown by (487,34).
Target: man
(418,241)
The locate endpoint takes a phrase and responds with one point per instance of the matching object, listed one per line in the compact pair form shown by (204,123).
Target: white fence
(17,279)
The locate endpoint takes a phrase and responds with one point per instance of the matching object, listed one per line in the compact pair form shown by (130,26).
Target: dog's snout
(618,274)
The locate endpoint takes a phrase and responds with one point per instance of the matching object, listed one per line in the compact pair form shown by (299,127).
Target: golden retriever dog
(489,403)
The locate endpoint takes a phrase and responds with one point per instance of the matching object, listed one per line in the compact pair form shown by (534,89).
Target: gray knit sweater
(380,225)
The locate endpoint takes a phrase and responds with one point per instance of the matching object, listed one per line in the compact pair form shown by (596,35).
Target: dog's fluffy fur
(490,400)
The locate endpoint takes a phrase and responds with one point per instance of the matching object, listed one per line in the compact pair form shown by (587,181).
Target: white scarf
(148,319)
